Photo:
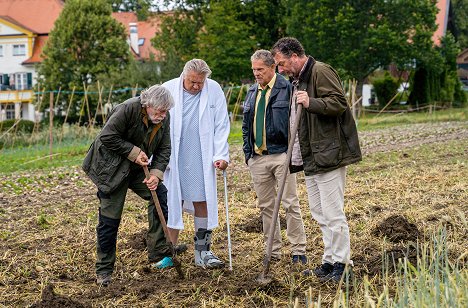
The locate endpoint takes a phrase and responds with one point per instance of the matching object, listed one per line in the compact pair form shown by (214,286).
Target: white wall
(28,112)
(12,64)
(366,94)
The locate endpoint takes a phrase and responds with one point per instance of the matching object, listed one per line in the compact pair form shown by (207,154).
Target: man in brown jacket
(329,142)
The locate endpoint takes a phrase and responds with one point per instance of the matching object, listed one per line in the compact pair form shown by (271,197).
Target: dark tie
(260,119)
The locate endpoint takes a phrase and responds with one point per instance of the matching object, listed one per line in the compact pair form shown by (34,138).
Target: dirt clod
(137,240)
(255,224)
(397,228)
(51,300)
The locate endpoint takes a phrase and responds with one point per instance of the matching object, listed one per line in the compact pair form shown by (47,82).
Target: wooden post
(104,116)
(51,122)
(66,115)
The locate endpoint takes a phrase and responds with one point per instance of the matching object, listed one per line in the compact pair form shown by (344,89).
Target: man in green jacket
(329,142)
(136,134)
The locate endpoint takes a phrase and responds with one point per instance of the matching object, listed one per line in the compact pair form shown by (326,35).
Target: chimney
(134,37)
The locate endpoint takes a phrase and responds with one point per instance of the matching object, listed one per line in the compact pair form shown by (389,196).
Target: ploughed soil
(412,181)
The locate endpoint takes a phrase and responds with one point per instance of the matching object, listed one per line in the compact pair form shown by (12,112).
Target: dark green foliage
(25,126)
(85,42)
(385,88)
(458,24)
(361,36)
(224,33)
(420,88)
(177,40)
(226,46)
(437,80)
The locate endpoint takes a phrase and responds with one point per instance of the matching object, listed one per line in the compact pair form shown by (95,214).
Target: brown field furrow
(413,179)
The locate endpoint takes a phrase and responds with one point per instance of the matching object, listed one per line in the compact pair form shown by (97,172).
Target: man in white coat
(199,134)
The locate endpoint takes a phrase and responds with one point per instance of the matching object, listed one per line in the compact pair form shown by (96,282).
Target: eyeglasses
(152,112)
(295,84)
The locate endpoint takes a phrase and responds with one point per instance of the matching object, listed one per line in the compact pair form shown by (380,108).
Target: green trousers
(110,213)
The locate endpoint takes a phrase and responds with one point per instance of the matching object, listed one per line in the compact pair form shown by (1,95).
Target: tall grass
(23,151)
(433,282)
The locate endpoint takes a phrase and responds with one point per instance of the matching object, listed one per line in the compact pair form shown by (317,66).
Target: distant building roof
(38,16)
(15,22)
(146,31)
(441,20)
(39,44)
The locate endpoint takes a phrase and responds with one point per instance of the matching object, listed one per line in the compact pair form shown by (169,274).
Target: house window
(19,50)
(21,81)
(1,50)
(10,111)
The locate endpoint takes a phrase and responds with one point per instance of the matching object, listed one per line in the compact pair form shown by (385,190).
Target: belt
(264,152)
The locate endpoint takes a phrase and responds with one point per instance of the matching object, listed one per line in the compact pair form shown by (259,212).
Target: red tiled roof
(146,30)
(125,18)
(37,15)
(39,43)
(441,20)
(15,22)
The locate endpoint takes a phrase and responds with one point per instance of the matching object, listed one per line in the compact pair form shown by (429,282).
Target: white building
(24,30)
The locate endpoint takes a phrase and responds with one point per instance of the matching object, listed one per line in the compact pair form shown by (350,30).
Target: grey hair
(157,97)
(198,66)
(263,55)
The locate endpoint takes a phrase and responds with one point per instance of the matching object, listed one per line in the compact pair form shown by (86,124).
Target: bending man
(135,130)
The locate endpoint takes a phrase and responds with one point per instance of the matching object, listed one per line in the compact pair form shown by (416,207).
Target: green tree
(177,40)
(85,42)
(437,81)
(266,20)
(458,25)
(224,33)
(359,36)
(385,88)
(225,41)
(85,45)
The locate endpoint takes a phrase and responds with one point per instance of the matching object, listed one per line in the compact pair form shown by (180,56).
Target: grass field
(405,202)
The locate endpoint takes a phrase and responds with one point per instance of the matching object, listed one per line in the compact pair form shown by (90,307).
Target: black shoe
(299,258)
(320,271)
(336,274)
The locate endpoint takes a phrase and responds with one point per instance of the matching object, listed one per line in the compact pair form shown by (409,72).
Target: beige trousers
(326,202)
(266,171)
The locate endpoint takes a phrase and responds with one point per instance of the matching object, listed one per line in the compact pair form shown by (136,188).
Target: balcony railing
(12,96)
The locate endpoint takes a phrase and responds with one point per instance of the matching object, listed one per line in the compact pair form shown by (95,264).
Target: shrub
(385,88)
(25,126)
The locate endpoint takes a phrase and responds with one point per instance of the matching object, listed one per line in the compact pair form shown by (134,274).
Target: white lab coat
(214,132)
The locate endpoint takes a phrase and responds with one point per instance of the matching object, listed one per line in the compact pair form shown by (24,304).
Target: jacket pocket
(108,163)
(280,121)
(327,153)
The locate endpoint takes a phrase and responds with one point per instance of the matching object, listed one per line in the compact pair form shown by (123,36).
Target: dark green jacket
(126,132)
(327,133)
